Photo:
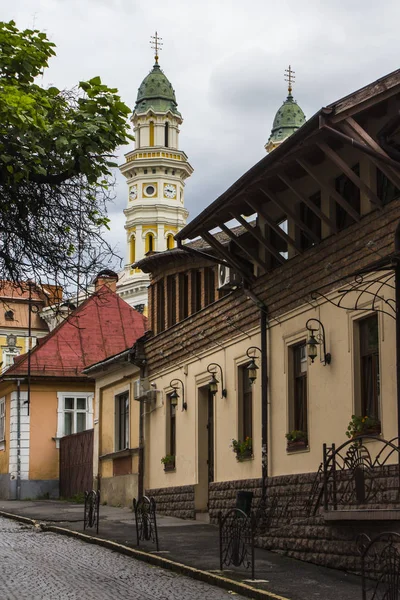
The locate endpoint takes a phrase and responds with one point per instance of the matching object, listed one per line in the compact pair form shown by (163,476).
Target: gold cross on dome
(289,77)
(156,43)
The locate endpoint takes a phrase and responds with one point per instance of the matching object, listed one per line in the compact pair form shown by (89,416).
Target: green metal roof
(287,120)
(157,93)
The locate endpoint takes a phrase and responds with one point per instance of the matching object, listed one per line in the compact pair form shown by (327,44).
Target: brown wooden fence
(76,463)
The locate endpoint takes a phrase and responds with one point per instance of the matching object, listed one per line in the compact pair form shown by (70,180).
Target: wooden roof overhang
(302,154)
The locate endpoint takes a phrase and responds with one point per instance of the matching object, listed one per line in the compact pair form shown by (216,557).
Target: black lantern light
(174,396)
(252,366)
(213,385)
(316,340)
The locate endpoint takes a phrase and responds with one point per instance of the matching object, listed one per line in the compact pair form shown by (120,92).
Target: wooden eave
(296,157)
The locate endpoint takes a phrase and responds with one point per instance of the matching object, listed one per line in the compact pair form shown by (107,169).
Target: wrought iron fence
(91,510)
(146,521)
(277,510)
(355,474)
(380,566)
(236,539)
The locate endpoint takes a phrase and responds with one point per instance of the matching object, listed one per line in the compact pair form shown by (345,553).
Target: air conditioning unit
(227,278)
(140,388)
(137,390)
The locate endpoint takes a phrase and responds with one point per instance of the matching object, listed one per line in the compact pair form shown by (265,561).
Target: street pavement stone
(37,565)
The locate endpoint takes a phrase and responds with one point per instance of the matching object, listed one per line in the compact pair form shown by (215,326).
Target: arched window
(149,246)
(138,136)
(132,249)
(166,133)
(151,133)
(170,241)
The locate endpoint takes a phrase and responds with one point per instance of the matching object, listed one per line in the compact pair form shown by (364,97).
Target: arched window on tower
(138,136)
(170,241)
(151,133)
(166,134)
(149,245)
(132,249)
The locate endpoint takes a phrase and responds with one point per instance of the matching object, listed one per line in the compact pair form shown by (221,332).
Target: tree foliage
(56,155)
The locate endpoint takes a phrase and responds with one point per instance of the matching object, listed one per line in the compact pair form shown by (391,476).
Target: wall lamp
(213,385)
(252,367)
(174,396)
(315,340)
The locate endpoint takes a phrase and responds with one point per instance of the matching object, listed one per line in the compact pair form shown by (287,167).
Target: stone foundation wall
(294,532)
(174,501)
(222,495)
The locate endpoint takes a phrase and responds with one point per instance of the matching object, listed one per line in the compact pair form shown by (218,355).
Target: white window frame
(2,422)
(61,411)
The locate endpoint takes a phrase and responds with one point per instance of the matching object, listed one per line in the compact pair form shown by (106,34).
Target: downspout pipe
(18,494)
(397,298)
(264,390)
(264,402)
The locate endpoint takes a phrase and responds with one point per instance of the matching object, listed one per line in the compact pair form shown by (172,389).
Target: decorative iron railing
(236,539)
(277,509)
(146,521)
(380,566)
(91,510)
(357,473)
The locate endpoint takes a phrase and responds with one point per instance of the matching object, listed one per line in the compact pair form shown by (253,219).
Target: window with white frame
(2,419)
(75,412)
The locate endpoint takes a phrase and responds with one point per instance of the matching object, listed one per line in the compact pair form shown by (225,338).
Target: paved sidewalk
(196,545)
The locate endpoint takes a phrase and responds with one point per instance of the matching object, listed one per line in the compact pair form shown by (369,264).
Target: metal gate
(76,463)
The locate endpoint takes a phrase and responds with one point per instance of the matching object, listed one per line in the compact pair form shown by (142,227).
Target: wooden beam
(330,190)
(287,238)
(317,211)
(292,215)
(253,231)
(259,262)
(343,166)
(219,248)
(353,129)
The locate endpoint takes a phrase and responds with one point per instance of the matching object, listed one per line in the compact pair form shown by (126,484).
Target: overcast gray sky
(225,60)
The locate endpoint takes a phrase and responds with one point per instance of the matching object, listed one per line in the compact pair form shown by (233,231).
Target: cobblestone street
(39,565)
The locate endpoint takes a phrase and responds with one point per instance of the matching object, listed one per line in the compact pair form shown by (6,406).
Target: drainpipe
(397,298)
(18,440)
(264,402)
(264,390)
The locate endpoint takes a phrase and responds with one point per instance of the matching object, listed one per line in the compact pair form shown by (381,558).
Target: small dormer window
(9,315)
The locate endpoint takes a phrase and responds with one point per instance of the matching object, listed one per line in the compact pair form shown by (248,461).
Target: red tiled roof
(102,326)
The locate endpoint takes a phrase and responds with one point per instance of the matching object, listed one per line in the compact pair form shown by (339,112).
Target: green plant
(168,459)
(362,425)
(297,436)
(242,449)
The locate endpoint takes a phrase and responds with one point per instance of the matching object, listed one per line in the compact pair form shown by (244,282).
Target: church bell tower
(155,172)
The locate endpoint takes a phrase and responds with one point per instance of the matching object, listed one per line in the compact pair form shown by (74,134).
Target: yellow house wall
(195,376)
(331,399)
(120,489)
(44,456)
(5,392)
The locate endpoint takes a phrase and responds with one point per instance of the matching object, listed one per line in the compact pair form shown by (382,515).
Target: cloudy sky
(225,59)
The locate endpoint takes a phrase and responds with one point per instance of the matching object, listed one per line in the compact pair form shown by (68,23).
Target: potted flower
(169,462)
(363,426)
(243,450)
(297,440)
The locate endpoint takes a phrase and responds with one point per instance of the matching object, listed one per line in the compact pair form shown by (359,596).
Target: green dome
(287,120)
(157,93)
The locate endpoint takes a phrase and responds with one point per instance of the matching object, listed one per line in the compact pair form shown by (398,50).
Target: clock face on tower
(169,190)
(133,192)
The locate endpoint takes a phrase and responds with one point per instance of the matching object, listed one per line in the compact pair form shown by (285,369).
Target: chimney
(108,278)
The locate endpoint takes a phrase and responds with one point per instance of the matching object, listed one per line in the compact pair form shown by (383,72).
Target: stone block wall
(174,501)
(222,495)
(296,531)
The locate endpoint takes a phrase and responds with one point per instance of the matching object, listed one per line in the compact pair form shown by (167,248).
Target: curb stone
(158,561)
